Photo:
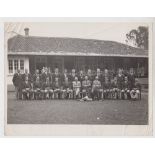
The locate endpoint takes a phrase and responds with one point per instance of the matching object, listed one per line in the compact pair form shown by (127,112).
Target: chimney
(26,32)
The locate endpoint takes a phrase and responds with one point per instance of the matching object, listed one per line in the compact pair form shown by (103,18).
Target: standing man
(57,88)
(36,74)
(67,89)
(96,87)
(131,78)
(81,76)
(76,87)
(73,75)
(120,82)
(86,87)
(64,75)
(90,76)
(126,89)
(26,90)
(37,88)
(56,74)
(106,84)
(18,83)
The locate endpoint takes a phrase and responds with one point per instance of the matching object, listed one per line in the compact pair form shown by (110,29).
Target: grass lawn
(75,112)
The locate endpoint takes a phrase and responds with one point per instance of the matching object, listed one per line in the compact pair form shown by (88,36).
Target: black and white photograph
(77,73)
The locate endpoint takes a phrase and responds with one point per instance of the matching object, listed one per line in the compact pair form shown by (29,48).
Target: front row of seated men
(86,89)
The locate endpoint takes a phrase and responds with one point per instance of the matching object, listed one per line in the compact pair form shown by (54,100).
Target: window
(15,65)
(10,66)
(22,65)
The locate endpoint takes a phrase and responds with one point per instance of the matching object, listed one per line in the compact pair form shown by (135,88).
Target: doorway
(40,62)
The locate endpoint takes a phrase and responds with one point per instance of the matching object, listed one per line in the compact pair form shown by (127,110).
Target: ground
(75,112)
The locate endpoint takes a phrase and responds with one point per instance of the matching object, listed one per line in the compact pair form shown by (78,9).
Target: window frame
(13,65)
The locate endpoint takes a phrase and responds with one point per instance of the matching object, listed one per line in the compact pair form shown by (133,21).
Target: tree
(139,37)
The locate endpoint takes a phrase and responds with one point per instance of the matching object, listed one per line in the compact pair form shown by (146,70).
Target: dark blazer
(17,80)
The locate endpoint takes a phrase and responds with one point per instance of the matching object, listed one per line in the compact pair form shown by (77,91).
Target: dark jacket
(26,85)
(17,80)
(120,81)
(67,85)
(37,85)
(47,85)
(131,79)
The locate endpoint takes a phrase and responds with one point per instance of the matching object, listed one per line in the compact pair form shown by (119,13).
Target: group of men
(76,85)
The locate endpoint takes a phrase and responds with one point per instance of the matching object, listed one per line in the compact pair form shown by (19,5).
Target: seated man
(86,87)
(67,89)
(135,92)
(26,91)
(72,75)
(57,88)
(96,88)
(37,88)
(106,88)
(46,89)
(76,88)
(125,89)
(81,76)
(90,75)
(113,88)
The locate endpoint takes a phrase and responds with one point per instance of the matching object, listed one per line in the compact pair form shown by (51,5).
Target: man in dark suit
(57,88)
(27,75)
(64,75)
(37,88)
(26,90)
(18,83)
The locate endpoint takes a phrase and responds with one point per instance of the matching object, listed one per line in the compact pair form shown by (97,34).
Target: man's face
(89,71)
(98,70)
(115,79)
(56,79)
(56,70)
(73,70)
(106,80)
(136,80)
(66,79)
(18,71)
(106,71)
(81,72)
(65,71)
(76,79)
(120,71)
(26,71)
(37,71)
(131,71)
(126,78)
(86,77)
(47,80)
(37,79)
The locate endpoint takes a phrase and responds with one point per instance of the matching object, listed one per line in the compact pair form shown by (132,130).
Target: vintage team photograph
(83,73)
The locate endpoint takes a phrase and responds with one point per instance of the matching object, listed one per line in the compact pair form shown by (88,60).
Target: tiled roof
(28,44)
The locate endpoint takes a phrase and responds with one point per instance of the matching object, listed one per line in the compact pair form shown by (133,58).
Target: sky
(89,30)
